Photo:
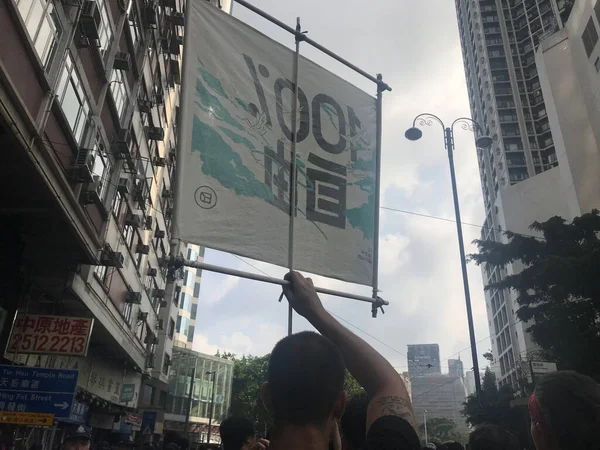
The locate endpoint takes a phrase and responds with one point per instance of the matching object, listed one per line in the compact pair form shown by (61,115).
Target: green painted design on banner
(363,218)
(223,164)
(242,103)
(237,138)
(212,105)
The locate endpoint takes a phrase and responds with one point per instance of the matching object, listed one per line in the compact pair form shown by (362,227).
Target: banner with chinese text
(233,191)
(50,335)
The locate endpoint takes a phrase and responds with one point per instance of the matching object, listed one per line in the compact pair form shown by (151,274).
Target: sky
(415,45)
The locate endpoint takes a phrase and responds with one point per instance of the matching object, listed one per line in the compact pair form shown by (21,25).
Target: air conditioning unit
(150,15)
(160,324)
(152,272)
(90,194)
(159,98)
(174,71)
(160,162)
(133,220)
(134,298)
(121,61)
(145,106)
(120,145)
(158,293)
(150,362)
(82,171)
(142,316)
(155,133)
(123,186)
(148,223)
(163,303)
(173,45)
(111,258)
(177,19)
(142,249)
(160,234)
(90,19)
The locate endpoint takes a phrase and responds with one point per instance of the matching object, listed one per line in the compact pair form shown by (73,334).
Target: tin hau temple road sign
(35,396)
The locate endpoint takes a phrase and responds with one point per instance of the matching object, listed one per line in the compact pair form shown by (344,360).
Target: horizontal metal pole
(266,279)
(302,36)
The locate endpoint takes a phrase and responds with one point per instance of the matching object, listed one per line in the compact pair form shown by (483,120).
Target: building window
(102,171)
(72,98)
(148,395)
(171,328)
(128,234)
(101,273)
(194,311)
(196,290)
(118,89)
(105,30)
(590,37)
(190,334)
(42,26)
(166,364)
(134,26)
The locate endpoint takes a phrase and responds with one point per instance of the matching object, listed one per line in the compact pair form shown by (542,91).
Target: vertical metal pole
(532,374)
(379,115)
(189,408)
(212,404)
(425,424)
(293,177)
(449,140)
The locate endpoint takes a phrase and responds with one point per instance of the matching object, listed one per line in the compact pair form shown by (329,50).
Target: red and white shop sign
(50,335)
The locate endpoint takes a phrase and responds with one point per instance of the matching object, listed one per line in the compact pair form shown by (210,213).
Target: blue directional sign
(38,390)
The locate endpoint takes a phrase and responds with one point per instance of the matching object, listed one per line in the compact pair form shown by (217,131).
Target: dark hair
(234,432)
(306,374)
(570,406)
(453,445)
(492,437)
(353,424)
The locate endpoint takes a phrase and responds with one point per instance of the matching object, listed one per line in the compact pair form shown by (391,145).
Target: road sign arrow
(63,405)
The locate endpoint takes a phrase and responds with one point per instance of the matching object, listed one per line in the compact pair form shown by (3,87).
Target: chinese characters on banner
(235,161)
(55,335)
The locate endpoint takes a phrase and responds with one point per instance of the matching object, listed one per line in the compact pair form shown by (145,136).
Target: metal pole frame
(176,261)
(188,411)
(426,119)
(212,405)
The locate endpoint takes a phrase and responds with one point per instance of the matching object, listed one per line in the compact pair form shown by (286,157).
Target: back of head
(453,445)
(306,375)
(570,407)
(235,431)
(492,437)
(353,424)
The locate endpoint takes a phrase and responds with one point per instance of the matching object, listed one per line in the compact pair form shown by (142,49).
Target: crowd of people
(304,392)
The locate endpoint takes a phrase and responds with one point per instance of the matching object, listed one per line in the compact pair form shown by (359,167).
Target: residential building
(423,359)
(569,69)
(188,299)
(456,368)
(442,396)
(520,180)
(88,99)
(207,373)
(470,382)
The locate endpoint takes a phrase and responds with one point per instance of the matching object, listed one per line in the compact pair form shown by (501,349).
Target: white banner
(233,182)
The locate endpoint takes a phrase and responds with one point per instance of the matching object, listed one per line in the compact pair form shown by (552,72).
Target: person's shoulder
(391,432)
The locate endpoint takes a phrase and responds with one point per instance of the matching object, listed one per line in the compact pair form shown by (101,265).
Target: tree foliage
(494,406)
(441,429)
(558,290)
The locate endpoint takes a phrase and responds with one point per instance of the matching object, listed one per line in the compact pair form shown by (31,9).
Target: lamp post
(483,141)
(425,424)
(213,373)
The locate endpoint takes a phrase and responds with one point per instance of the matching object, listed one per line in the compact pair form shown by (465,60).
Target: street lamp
(425,424)
(483,141)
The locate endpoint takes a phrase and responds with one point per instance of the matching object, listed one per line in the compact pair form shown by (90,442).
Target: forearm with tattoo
(392,405)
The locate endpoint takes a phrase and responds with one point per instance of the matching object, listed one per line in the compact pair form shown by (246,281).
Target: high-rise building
(423,359)
(520,180)
(188,299)
(442,396)
(456,368)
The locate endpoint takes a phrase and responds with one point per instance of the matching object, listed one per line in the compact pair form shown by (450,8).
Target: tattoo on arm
(392,405)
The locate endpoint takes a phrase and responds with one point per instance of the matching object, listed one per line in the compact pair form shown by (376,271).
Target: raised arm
(385,387)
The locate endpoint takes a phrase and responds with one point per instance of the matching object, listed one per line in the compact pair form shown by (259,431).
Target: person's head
(453,445)
(353,424)
(565,411)
(77,438)
(237,433)
(492,437)
(305,382)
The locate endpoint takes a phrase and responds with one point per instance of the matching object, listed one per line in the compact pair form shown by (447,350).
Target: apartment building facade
(88,103)
(519,174)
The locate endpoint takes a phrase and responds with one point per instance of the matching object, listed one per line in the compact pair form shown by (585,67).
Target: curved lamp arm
(426,119)
(469,124)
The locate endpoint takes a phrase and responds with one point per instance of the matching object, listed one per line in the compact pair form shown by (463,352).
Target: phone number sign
(50,335)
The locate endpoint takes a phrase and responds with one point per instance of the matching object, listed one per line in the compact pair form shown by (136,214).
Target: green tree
(558,290)
(351,386)
(441,429)
(494,405)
